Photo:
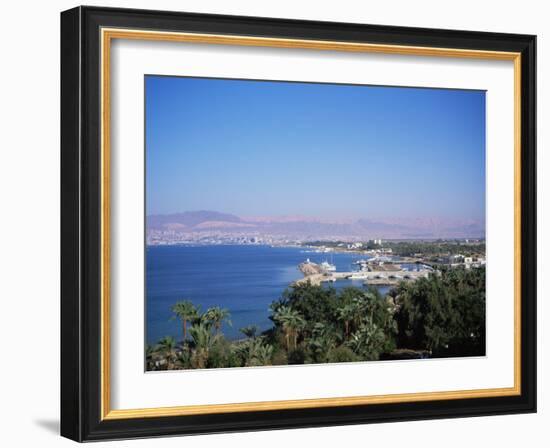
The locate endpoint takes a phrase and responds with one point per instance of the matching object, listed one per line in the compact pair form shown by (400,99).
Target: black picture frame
(81,224)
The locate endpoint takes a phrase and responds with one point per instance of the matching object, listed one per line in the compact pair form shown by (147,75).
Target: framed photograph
(273,223)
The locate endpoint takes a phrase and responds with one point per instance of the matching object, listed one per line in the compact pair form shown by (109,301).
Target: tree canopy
(442,315)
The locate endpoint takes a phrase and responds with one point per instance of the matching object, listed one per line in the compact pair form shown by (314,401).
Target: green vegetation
(426,249)
(435,248)
(441,316)
(185,311)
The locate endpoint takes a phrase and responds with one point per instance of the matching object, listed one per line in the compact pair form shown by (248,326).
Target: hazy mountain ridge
(189,219)
(196,222)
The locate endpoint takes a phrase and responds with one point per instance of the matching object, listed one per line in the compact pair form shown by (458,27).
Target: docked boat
(328,266)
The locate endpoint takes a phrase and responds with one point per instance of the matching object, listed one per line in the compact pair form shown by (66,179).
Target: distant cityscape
(430,248)
(171,237)
(208,227)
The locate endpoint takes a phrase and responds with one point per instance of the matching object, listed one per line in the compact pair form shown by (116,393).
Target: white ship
(328,266)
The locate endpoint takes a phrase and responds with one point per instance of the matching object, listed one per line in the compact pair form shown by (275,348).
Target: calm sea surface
(243,278)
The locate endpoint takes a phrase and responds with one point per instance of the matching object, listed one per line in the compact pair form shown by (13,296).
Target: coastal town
(381,266)
(174,238)
(385,262)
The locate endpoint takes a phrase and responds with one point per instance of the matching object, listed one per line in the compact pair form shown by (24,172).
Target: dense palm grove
(439,316)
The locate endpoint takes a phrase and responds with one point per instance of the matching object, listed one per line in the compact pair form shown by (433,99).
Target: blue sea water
(245,279)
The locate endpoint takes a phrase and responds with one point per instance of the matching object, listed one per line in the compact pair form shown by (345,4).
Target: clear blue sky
(325,150)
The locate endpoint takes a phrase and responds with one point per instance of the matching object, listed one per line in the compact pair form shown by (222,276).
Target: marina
(372,272)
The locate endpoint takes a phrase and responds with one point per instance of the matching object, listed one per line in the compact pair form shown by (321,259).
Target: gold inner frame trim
(107,35)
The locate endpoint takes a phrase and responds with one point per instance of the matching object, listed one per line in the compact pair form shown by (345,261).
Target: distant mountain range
(300,227)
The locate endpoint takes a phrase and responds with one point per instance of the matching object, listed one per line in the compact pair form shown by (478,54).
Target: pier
(314,274)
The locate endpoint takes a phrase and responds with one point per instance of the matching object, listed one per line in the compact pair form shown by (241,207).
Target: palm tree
(149,352)
(281,316)
(203,341)
(254,352)
(346,314)
(249,331)
(291,322)
(264,354)
(367,341)
(186,312)
(167,345)
(371,300)
(297,324)
(216,316)
(322,341)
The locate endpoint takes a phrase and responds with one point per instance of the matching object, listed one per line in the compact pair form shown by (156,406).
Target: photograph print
(292,223)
